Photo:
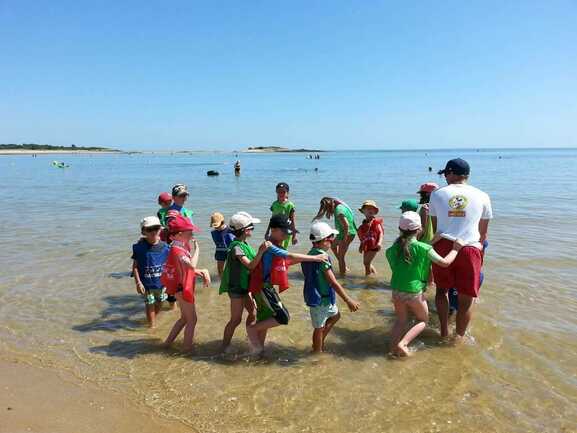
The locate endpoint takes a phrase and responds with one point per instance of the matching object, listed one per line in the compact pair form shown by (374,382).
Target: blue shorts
(320,314)
(220,256)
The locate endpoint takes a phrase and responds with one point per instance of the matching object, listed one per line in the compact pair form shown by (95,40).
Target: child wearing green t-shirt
(345,225)
(283,206)
(321,286)
(241,259)
(410,262)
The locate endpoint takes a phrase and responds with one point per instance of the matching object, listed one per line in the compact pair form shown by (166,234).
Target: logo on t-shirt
(457,205)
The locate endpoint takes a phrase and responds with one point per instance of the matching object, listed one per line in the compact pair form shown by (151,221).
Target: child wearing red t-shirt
(370,234)
(179,277)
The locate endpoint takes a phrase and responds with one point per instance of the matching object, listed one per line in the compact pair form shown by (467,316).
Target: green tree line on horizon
(33,146)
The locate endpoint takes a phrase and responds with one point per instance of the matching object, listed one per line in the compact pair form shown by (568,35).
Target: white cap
(321,230)
(149,221)
(410,221)
(242,220)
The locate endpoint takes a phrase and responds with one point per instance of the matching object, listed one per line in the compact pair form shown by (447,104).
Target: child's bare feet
(402,350)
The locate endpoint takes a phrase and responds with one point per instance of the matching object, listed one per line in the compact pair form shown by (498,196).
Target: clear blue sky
(330,74)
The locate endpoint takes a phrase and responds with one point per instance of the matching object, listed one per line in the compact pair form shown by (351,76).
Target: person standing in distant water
(179,197)
(283,206)
(237,168)
(459,210)
(425,192)
(344,223)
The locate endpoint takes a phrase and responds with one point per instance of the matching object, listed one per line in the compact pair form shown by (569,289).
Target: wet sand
(34,399)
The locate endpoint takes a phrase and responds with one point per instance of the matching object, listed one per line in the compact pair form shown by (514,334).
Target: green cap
(411,205)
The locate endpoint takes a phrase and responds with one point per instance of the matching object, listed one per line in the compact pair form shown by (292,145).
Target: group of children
(254,278)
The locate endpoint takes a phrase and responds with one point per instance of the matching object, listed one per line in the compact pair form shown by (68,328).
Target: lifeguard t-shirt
(459,208)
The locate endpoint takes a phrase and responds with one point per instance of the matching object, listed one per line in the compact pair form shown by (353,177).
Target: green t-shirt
(410,277)
(163,211)
(278,208)
(323,284)
(236,277)
(343,209)
(282,208)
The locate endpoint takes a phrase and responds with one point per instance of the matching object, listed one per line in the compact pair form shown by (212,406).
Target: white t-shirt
(459,208)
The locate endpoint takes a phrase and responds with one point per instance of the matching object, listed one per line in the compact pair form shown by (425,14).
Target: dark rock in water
(212,173)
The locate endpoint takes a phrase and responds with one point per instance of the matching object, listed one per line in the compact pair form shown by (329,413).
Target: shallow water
(67,301)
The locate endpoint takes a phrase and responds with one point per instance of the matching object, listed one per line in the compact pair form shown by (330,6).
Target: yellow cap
(216,220)
(370,203)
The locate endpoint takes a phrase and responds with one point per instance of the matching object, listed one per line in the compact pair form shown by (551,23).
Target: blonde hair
(404,242)
(326,208)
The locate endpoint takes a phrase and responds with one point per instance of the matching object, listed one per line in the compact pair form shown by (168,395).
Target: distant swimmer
(430,169)
(237,168)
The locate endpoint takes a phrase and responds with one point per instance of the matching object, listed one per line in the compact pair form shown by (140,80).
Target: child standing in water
(370,234)
(321,285)
(222,237)
(271,272)
(240,260)
(179,277)
(149,255)
(344,223)
(283,206)
(164,201)
(410,262)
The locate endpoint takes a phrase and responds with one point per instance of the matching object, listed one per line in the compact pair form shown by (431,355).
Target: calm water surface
(67,301)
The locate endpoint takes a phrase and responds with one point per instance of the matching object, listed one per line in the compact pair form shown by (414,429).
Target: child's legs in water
(250,309)
(342,249)
(220,267)
(418,306)
(401,313)
(187,320)
(236,309)
(257,332)
(368,257)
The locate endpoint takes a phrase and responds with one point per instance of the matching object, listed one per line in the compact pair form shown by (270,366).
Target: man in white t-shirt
(462,211)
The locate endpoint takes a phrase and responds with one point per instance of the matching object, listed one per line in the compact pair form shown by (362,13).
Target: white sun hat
(321,230)
(242,220)
(410,221)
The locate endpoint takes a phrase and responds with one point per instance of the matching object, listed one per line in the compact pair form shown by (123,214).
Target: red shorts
(464,274)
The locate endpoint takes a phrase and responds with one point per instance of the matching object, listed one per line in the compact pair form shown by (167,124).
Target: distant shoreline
(277,149)
(8,152)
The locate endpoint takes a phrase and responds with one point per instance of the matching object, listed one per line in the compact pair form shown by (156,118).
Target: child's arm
(332,280)
(344,223)
(195,253)
(298,258)
(251,264)
(446,261)
(139,285)
(292,217)
(204,274)
(381,236)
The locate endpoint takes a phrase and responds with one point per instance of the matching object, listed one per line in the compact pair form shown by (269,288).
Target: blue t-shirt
(150,260)
(222,239)
(267,261)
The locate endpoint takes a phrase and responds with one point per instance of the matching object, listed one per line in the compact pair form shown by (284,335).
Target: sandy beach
(35,399)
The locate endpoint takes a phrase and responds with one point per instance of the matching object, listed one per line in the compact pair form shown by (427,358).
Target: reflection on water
(67,299)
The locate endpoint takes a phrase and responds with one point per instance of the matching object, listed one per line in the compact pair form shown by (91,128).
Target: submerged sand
(34,399)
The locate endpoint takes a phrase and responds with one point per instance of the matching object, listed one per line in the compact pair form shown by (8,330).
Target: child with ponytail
(410,262)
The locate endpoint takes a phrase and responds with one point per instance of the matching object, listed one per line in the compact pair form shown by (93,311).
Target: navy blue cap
(282,185)
(457,166)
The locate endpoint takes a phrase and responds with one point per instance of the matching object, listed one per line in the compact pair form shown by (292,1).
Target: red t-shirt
(178,276)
